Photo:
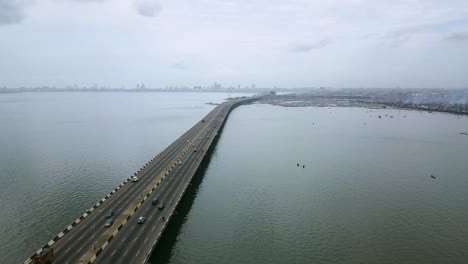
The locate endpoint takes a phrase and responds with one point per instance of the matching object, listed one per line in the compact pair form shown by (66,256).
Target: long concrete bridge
(166,177)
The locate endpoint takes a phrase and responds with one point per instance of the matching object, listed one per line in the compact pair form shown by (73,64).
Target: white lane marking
(81,237)
(67,262)
(124,239)
(146,240)
(152,229)
(113,252)
(133,227)
(134,240)
(80,249)
(126,252)
(67,250)
(137,253)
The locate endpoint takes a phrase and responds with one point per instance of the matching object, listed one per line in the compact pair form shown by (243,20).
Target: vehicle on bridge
(134,179)
(109,222)
(46,256)
(161,206)
(180,162)
(110,213)
(155,201)
(141,220)
(195,149)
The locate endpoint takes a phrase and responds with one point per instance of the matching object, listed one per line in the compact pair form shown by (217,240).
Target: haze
(119,43)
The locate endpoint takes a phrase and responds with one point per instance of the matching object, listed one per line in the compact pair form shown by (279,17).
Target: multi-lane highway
(136,240)
(164,177)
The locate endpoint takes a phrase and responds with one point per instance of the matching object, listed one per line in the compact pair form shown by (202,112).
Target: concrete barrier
(198,162)
(90,255)
(84,215)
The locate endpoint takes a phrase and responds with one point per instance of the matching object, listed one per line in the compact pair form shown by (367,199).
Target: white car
(134,179)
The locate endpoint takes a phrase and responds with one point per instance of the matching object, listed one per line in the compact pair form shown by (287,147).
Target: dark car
(155,201)
(109,222)
(141,220)
(161,206)
(110,213)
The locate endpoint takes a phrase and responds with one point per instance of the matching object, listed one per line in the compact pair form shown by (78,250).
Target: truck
(46,256)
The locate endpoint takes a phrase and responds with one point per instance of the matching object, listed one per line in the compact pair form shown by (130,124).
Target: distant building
(216,86)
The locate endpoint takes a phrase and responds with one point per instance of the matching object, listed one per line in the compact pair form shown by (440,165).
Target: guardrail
(100,202)
(89,211)
(197,163)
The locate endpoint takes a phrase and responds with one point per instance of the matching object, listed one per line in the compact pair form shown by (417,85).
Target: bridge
(166,177)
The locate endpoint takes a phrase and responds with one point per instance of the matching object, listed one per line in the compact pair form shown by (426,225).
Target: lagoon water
(62,152)
(364,196)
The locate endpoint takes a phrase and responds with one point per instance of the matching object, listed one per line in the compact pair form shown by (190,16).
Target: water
(62,152)
(364,196)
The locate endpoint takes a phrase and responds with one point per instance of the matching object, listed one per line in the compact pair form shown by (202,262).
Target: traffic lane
(125,236)
(87,229)
(113,201)
(149,219)
(140,246)
(136,251)
(116,245)
(177,153)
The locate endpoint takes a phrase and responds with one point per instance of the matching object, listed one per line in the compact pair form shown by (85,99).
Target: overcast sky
(284,43)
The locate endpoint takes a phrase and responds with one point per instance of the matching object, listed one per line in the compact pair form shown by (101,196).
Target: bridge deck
(88,241)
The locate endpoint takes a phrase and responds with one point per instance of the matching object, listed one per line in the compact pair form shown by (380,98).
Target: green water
(62,152)
(364,196)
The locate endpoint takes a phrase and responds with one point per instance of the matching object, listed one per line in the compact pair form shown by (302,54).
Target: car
(188,141)
(195,150)
(134,179)
(110,213)
(180,162)
(141,220)
(155,201)
(109,222)
(161,206)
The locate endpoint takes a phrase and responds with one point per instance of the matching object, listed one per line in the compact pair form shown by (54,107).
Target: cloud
(11,11)
(458,36)
(180,65)
(297,48)
(403,35)
(84,1)
(148,8)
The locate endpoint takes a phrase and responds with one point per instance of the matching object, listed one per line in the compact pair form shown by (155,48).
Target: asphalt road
(135,240)
(81,239)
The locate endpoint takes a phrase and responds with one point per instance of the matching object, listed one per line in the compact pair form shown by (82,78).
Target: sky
(283,43)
